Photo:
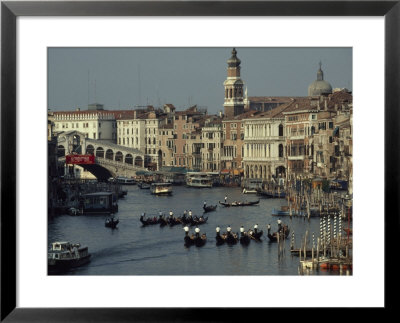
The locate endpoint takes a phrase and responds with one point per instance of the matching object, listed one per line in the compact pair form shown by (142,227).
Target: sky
(124,78)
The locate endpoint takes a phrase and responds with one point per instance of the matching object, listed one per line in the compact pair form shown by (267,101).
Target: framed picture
(368,29)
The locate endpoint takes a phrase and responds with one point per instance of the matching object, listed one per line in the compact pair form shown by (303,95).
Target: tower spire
(233,103)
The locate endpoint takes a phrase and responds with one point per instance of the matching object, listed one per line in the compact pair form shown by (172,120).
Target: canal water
(132,249)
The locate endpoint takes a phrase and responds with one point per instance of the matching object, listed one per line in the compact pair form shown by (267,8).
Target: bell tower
(233,103)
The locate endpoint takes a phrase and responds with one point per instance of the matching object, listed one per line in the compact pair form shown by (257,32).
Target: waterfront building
(310,135)
(264,142)
(184,123)
(93,123)
(233,141)
(193,149)
(165,145)
(233,85)
(301,119)
(131,131)
(333,137)
(212,145)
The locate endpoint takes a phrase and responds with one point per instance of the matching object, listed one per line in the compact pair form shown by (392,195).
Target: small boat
(64,255)
(209,208)
(111,223)
(199,180)
(285,211)
(244,237)
(282,233)
(231,237)
(125,180)
(249,191)
(236,203)
(219,238)
(161,188)
(199,240)
(144,185)
(189,239)
(198,220)
(148,221)
(255,234)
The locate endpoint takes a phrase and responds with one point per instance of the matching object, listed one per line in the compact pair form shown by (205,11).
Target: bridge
(111,160)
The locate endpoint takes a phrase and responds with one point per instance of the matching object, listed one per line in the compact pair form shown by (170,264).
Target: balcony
(300,157)
(226,158)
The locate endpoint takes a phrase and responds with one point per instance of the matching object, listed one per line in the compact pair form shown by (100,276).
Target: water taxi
(198,179)
(64,255)
(161,188)
(125,180)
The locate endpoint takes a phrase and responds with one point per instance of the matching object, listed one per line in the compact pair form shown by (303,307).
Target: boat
(148,221)
(249,191)
(199,180)
(189,239)
(255,234)
(209,208)
(282,233)
(219,238)
(144,185)
(231,237)
(64,255)
(197,220)
(272,193)
(111,223)
(199,240)
(161,188)
(286,211)
(244,237)
(125,180)
(236,203)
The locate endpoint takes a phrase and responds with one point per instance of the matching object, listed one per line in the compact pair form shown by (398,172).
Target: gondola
(244,237)
(282,233)
(209,208)
(239,203)
(219,238)
(111,223)
(197,221)
(149,221)
(200,241)
(162,220)
(231,238)
(173,221)
(189,239)
(256,235)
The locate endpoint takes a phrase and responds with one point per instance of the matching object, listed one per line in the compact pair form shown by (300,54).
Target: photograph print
(200,161)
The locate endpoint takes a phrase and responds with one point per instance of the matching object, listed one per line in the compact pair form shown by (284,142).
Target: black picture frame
(10,10)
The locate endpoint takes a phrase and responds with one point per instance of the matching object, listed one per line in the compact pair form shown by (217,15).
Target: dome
(233,61)
(319,86)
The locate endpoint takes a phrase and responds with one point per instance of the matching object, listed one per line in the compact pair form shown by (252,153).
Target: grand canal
(132,249)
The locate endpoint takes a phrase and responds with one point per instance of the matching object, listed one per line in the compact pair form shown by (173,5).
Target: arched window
(90,150)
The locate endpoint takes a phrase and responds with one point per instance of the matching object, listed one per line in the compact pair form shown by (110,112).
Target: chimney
(134,114)
(78,109)
(326,105)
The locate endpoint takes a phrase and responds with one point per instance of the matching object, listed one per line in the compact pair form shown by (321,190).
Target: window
(330,125)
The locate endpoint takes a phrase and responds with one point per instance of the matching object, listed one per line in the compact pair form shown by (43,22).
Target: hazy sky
(122,78)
